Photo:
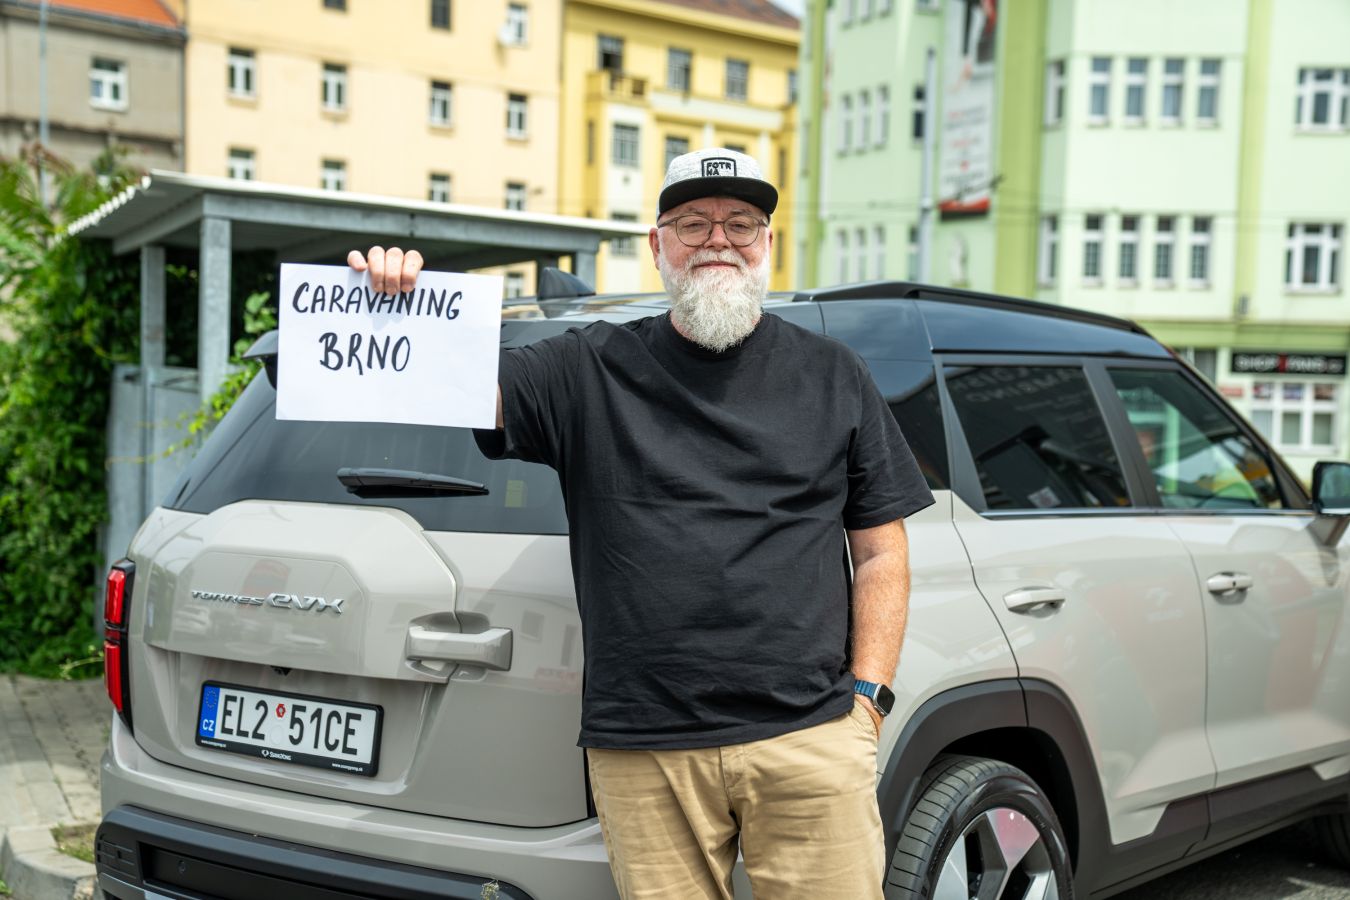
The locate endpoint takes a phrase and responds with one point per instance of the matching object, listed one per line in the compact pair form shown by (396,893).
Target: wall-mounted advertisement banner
(1276,362)
(424,357)
(966,166)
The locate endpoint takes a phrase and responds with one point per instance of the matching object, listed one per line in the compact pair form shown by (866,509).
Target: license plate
(292,728)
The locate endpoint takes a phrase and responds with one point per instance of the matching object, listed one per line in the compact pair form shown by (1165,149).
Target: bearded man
(715,462)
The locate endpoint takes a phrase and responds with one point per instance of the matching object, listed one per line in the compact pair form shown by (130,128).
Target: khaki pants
(803,807)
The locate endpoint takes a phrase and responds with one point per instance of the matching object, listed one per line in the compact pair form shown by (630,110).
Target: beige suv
(346,658)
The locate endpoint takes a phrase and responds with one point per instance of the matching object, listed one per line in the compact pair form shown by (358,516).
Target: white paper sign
(426,357)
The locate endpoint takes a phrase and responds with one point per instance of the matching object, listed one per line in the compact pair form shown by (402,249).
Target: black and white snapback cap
(716,172)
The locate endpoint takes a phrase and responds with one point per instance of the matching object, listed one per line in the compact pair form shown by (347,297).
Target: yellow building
(432,99)
(646,80)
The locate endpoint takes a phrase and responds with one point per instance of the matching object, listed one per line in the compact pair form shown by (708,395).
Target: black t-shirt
(707,496)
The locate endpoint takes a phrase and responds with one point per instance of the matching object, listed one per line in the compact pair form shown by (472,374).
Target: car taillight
(116,616)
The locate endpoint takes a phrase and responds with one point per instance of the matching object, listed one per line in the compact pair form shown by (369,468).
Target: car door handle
(1029,599)
(1225,583)
(490,649)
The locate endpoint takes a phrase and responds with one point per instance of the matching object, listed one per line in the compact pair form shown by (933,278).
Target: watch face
(884,699)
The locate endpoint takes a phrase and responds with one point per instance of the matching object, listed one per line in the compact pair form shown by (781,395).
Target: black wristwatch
(880,695)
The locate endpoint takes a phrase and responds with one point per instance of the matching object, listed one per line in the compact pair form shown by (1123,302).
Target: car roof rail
(909,290)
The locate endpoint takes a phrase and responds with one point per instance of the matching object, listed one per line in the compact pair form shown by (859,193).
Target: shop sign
(1234,391)
(1257,362)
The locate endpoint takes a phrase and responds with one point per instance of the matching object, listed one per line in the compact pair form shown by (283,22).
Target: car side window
(1199,455)
(1037,436)
(910,390)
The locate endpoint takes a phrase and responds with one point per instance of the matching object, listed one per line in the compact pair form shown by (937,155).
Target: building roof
(761,11)
(140,12)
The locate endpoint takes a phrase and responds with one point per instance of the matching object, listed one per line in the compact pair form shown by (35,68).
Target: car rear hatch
(419,652)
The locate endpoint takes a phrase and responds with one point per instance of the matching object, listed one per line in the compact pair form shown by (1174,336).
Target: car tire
(957,843)
(1333,834)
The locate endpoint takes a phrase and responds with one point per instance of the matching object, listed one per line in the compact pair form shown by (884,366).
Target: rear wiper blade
(376,483)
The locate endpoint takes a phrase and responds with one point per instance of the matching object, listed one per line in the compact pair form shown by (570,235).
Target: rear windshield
(252,456)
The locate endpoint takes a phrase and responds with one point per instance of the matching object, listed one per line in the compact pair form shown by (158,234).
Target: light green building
(1183,165)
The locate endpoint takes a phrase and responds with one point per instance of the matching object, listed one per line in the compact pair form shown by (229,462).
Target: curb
(34,869)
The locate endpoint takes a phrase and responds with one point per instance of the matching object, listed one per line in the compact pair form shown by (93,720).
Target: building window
(916,124)
(792,86)
(1164,240)
(1201,230)
(1099,90)
(439,113)
(1054,92)
(590,142)
(334,176)
(438,187)
(1048,257)
(623,246)
(887,6)
(514,286)
(624,146)
(339,5)
(868,8)
(739,148)
(675,146)
(879,250)
(738,79)
(1312,257)
(927,5)
(518,23)
(240,72)
(108,84)
(1323,99)
(1296,416)
(440,14)
(860,247)
(240,166)
(1129,250)
(334,92)
(516,122)
(1092,248)
(912,254)
(1207,99)
(883,115)
(610,53)
(864,119)
(1173,81)
(850,10)
(845,123)
(842,241)
(1136,88)
(679,66)
(515,196)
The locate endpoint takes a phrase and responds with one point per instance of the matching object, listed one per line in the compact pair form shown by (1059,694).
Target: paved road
(1280,866)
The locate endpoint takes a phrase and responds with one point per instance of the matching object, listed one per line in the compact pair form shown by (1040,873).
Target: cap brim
(751,190)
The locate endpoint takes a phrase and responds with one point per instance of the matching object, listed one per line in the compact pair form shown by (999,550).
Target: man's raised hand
(391,271)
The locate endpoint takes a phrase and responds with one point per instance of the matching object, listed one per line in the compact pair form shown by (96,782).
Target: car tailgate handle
(1228,583)
(1026,600)
(490,649)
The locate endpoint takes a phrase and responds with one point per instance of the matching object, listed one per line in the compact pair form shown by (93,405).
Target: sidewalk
(52,735)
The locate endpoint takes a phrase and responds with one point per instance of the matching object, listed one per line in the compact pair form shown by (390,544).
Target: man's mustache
(703,257)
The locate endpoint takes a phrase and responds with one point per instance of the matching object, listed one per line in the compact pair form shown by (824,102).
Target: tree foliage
(68,314)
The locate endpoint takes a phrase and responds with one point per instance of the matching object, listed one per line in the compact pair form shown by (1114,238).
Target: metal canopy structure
(303,225)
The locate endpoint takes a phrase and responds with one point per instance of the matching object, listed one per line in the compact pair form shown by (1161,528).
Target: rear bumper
(144,856)
(172,810)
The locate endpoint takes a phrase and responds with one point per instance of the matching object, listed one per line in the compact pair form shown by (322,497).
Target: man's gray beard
(716,308)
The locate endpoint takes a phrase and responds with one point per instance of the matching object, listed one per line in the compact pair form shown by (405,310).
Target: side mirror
(1331,488)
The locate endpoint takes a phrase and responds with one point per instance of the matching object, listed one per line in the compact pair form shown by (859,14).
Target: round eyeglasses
(693,230)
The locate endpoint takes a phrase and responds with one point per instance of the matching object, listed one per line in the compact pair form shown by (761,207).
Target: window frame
(623,159)
(438,179)
(918,117)
(517,191)
(1056,84)
(248,161)
(879,250)
(243,63)
(1331,244)
(1201,241)
(1307,408)
(860,250)
(841,250)
(1047,250)
(671,69)
(1099,87)
(614,41)
(845,124)
(1208,81)
(1337,88)
(441,91)
(1094,238)
(864,120)
(518,24)
(1172,82)
(742,79)
(517,116)
(883,134)
(1128,237)
(112,77)
(339,169)
(1136,84)
(333,87)
(1171,244)
(675,138)
(435,21)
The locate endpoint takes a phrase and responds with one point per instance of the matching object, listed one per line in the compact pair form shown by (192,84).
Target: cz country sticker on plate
(293,728)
